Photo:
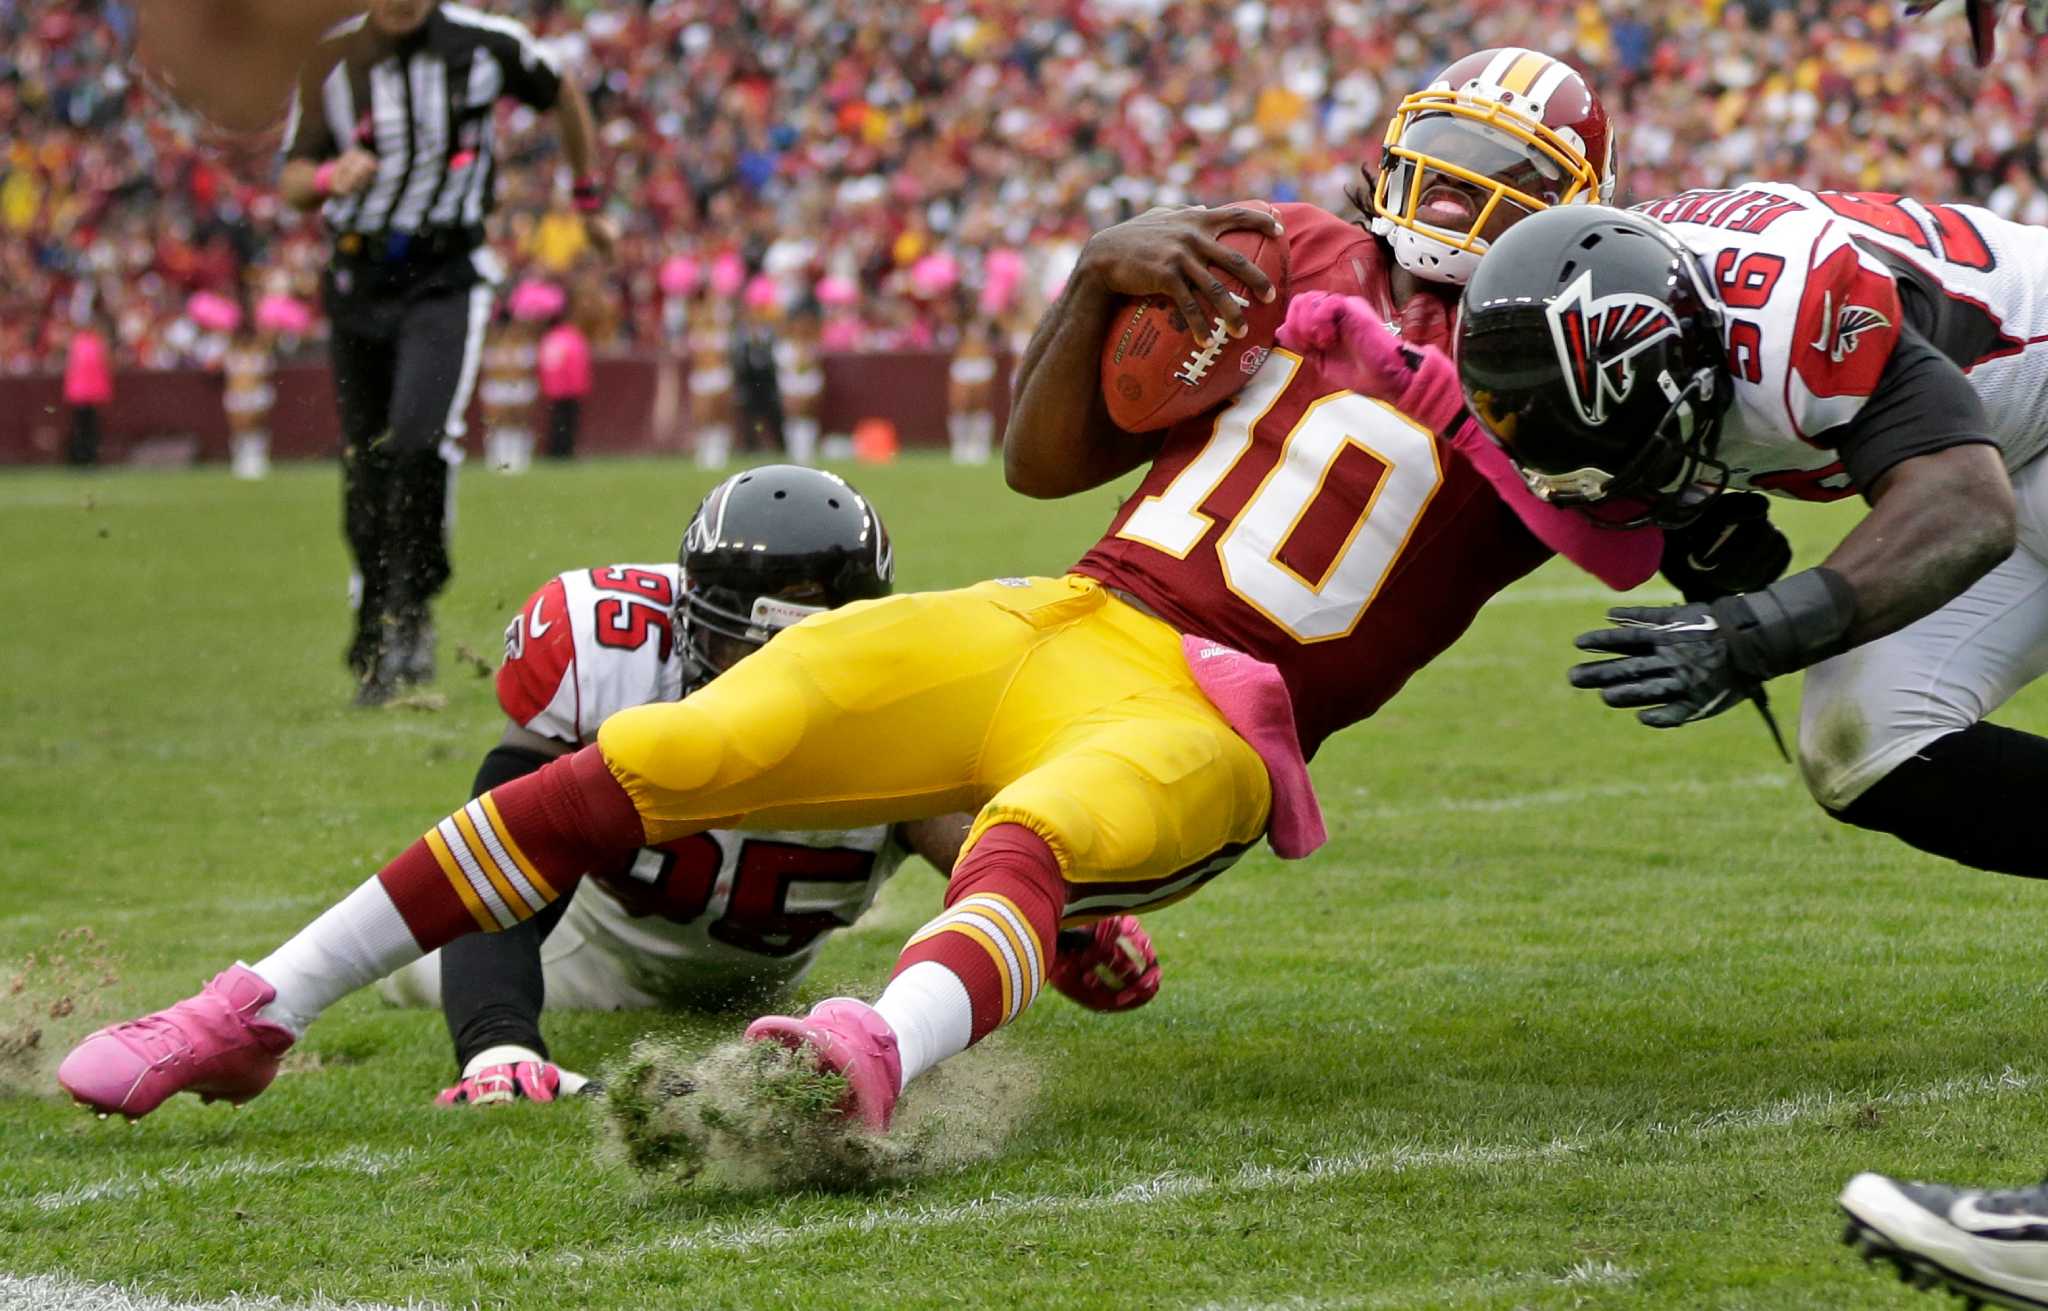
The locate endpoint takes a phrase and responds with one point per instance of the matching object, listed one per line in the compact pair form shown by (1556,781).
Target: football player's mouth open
(1449,205)
(1453,206)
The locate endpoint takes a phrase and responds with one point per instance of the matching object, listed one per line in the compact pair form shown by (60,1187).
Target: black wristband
(1793,623)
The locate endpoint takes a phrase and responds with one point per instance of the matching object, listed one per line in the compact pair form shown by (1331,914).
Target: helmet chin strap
(1429,258)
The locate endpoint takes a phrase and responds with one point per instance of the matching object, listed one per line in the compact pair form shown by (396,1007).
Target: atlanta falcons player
(1814,345)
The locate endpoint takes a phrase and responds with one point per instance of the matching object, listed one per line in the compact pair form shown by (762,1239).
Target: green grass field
(1568,1014)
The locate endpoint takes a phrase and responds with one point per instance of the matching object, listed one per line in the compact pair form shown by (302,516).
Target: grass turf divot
(748,1116)
(754,1117)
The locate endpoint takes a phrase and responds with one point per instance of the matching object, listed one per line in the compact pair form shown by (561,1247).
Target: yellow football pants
(1043,702)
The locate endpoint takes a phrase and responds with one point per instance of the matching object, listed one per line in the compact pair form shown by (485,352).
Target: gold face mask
(1507,164)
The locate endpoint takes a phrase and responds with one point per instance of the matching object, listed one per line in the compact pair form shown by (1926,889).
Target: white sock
(714,446)
(930,1011)
(971,434)
(249,455)
(355,942)
(802,436)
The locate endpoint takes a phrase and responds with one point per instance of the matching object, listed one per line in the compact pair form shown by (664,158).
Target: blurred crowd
(905,173)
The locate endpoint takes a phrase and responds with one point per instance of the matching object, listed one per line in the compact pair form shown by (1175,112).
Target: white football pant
(1868,710)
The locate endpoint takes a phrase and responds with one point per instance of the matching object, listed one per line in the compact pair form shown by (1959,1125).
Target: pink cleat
(845,1037)
(211,1044)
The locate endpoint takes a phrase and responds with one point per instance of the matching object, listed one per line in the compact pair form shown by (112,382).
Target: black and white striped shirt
(423,104)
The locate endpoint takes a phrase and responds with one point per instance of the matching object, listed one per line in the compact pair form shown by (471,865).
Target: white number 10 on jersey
(1310,609)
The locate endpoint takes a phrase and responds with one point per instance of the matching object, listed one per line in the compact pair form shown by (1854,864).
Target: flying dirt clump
(757,1117)
(51,996)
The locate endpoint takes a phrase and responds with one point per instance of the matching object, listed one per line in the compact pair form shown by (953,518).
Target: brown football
(1156,371)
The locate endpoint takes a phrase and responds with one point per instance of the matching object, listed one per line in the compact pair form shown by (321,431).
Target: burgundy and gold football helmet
(1497,136)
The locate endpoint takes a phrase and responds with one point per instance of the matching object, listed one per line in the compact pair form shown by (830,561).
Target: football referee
(391,137)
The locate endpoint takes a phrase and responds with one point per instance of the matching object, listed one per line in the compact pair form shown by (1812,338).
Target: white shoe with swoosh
(1991,1246)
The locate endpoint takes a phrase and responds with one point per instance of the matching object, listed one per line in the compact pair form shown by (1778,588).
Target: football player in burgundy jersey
(1817,345)
(1123,732)
(718,916)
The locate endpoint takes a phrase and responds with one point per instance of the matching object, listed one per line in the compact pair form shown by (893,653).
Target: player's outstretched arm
(1060,439)
(1937,524)
(579,148)
(231,63)
(1942,516)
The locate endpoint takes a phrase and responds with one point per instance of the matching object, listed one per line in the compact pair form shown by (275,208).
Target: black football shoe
(383,676)
(414,644)
(1983,1246)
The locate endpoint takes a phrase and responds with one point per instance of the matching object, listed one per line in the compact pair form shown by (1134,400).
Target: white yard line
(353,1160)
(1822,1105)
(727,1237)
(58,1293)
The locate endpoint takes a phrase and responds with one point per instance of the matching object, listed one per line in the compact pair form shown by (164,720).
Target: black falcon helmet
(1590,347)
(767,548)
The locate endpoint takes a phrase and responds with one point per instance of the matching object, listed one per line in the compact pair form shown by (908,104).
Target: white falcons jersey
(715,908)
(1813,314)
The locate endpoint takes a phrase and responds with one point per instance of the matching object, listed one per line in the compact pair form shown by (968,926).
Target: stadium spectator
(88,388)
(832,139)
(564,382)
(507,388)
(755,374)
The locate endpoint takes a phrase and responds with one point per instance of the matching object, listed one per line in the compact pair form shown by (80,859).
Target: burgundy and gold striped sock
(982,961)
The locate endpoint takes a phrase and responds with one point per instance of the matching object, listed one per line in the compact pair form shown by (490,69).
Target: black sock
(1968,796)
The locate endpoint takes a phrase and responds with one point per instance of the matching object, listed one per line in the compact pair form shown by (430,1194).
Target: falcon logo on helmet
(1497,136)
(1599,337)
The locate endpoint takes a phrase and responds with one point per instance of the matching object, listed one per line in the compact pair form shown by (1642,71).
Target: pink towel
(1618,557)
(1253,699)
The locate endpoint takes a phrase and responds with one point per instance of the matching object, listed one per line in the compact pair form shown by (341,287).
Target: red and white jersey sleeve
(1813,306)
(706,910)
(590,643)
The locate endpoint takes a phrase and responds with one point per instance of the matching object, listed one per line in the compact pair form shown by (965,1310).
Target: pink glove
(1108,966)
(1354,348)
(509,1074)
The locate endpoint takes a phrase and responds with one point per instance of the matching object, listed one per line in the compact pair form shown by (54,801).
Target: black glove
(1687,662)
(1732,547)
(1677,661)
